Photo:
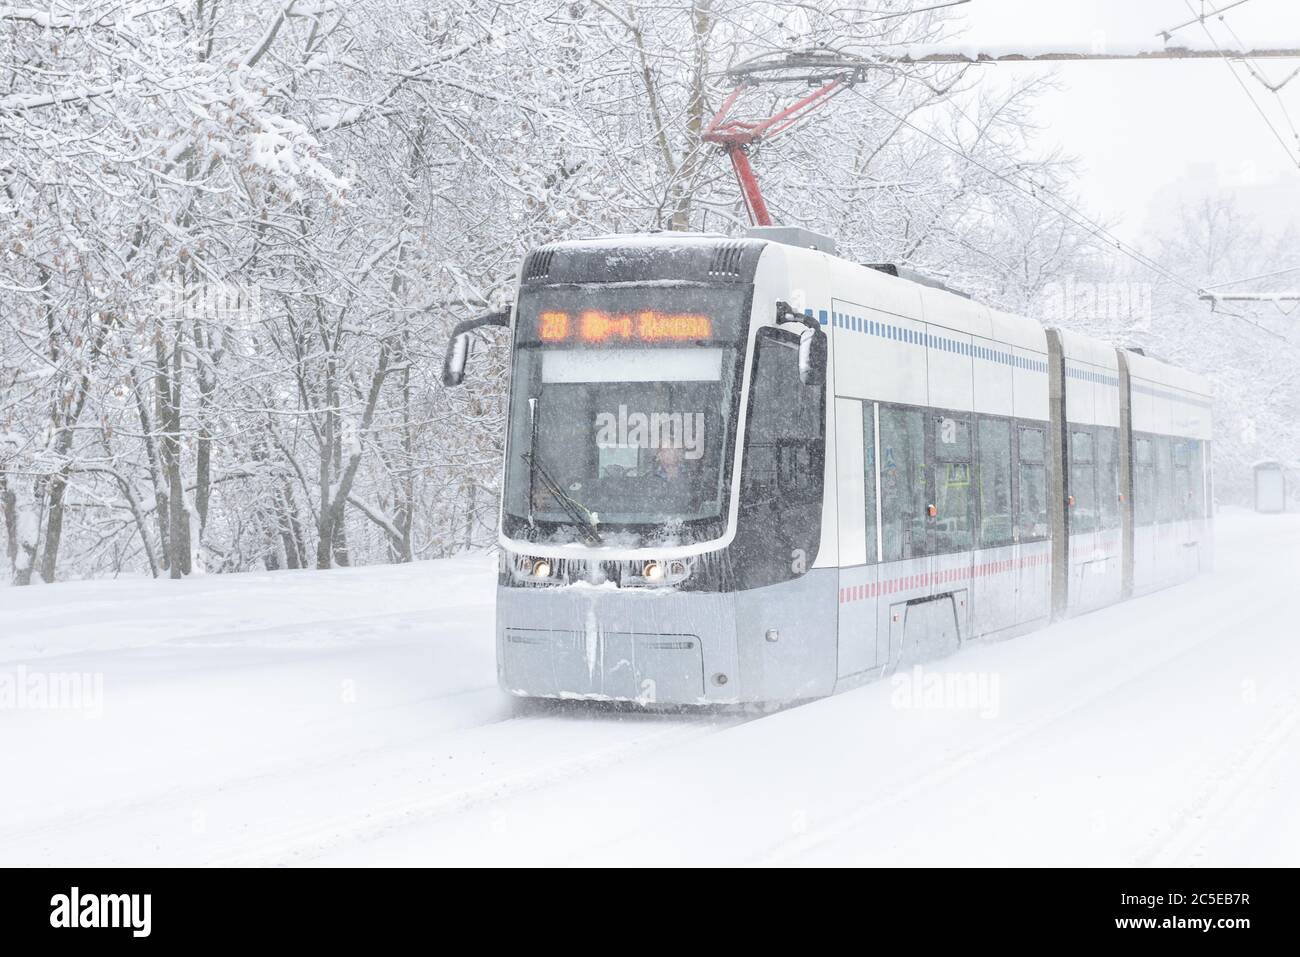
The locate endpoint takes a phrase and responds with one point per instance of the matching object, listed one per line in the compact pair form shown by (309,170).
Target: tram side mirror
(453,363)
(812,357)
(812,343)
(458,346)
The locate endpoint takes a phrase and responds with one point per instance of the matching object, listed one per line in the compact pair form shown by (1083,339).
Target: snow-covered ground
(352,716)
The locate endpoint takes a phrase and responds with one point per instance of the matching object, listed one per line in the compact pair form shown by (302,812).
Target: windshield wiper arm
(573,508)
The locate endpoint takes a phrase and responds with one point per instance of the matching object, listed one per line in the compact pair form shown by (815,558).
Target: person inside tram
(669,465)
(672,477)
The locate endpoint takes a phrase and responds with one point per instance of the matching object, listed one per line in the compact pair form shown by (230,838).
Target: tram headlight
(532,569)
(655,572)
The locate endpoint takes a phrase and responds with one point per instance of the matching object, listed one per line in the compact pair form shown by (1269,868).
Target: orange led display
(658,326)
(553,326)
(595,325)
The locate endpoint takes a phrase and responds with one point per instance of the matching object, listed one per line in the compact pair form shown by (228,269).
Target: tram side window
(1031,476)
(1164,480)
(1144,482)
(1108,476)
(994,479)
(954,498)
(902,483)
(869,477)
(1083,482)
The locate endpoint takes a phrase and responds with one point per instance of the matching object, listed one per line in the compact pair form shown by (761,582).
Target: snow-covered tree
(234,235)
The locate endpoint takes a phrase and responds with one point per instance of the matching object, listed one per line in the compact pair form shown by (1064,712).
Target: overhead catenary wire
(1275,298)
(1276,90)
(1167,34)
(1083,222)
(1267,275)
(936,6)
(847,71)
(1290,153)
(1203,293)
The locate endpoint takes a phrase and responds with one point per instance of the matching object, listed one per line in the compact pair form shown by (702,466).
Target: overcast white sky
(1148,133)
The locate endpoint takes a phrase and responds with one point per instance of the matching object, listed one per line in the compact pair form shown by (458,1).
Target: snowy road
(352,716)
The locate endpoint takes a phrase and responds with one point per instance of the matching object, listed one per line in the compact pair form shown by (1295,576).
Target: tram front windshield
(622,407)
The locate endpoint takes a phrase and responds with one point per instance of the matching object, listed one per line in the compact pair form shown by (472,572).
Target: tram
(747,470)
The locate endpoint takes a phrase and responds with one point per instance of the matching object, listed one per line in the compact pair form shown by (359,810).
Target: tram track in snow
(931,776)
(304,844)
(183,799)
(258,763)
(1180,843)
(307,843)
(278,637)
(304,841)
(405,769)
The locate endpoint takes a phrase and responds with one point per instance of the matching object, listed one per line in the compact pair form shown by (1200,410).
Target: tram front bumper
(649,646)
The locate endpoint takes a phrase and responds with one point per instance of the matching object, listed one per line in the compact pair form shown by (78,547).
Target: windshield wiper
(573,508)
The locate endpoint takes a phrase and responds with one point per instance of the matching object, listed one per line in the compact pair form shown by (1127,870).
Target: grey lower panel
(618,665)
(1096,571)
(1169,553)
(802,616)
(653,646)
(669,647)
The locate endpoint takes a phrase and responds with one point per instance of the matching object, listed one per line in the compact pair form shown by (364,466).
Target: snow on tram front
(640,535)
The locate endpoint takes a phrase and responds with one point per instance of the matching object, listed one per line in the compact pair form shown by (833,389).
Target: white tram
(746,470)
